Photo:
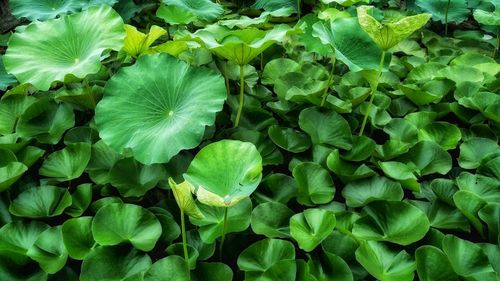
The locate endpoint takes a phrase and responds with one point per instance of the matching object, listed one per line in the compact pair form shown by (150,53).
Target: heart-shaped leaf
(117,223)
(311,227)
(41,202)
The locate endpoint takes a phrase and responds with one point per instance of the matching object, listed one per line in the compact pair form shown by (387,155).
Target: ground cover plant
(269,140)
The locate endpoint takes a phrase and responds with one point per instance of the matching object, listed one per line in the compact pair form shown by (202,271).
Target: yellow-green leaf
(137,42)
(184,198)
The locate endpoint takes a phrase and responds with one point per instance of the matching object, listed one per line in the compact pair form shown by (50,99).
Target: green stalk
(226,78)
(498,42)
(242,92)
(330,78)
(372,93)
(184,244)
(224,229)
(446,19)
(298,8)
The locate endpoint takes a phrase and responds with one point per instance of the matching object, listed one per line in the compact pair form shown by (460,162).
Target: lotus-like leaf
(384,263)
(158,107)
(311,227)
(49,251)
(115,263)
(137,42)
(362,192)
(432,264)
(225,172)
(204,10)
(271,219)
(44,9)
(352,46)
(170,268)
(77,237)
(75,48)
(68,163)
(392,221)
(389,34)
(487,18)
(239,46)
(452,10)
(117,223)
(41,202)
(184,198)
(263,255)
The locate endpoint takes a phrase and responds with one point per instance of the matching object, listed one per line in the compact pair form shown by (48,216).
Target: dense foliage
(260,140)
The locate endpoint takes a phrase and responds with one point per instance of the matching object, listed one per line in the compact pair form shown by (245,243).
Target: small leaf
(41,202)
(311,227)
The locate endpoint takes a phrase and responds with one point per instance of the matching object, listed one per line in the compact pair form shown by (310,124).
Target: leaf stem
(224,229)
(242,93)
(184,244)
(330,78)
(372,93)
(298,8)
(446,19)
(498,43)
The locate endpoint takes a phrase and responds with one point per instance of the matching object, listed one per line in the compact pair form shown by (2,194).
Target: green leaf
(49,251)
(133,179)
(393,221)
(474,150)
(487,18)
(174,101)
(17,237)
(41,202)
(175,14)
(137,42)
(11,109)
(6,79)
(457,11)
(68,163)
(204,10)
(491,215)
(466,258)
(328,266)
(271,219)
(45,9)
(114,264)
(212,271)
(225,172)
(362,148)
(315,186)
(178,250)
(184,198)
(239,46)
(170,268)
(77,237)
(360,193)
(81,199)
(46,121)
(289,139)
(310,42)
(401,172)
(264,256)
(352,45)
(433,265)
(73,50)
(212,224)
(384,263)
(326,127)
(429,158)
(443,133)
(347,171)
(311,227)
(117,223)
(10,173)
(390,33)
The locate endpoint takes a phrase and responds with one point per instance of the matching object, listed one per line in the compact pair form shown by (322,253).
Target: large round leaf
(225,172)
(117,223)
(163,112)
(453,11)
(114,264)
(392,221)
(75,48)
